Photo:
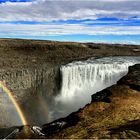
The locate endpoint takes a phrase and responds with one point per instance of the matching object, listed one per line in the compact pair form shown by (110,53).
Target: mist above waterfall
(8,112)
(81,79)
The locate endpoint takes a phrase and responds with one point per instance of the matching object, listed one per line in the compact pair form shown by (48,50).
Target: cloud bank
(48,10)
(45,18)
(66,29)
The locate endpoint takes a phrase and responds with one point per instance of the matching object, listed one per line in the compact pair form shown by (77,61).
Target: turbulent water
(81,79)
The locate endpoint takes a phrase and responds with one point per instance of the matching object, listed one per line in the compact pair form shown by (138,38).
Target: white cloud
(46,10)
(48,30)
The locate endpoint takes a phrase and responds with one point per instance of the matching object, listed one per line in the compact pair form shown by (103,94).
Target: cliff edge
(113,113)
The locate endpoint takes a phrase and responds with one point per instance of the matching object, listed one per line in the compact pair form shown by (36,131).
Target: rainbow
(13,100)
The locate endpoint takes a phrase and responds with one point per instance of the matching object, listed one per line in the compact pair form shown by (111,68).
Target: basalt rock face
(132,80)
(29,86)
(28,64)
(30,80)
(113,113)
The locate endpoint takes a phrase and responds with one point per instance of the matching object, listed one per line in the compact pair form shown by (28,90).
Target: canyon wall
(31,80)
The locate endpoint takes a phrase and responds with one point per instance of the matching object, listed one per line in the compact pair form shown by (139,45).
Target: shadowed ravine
(112,113)
(52,93)
(35,85)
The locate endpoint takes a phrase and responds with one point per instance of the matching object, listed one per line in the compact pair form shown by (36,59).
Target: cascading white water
(83,78)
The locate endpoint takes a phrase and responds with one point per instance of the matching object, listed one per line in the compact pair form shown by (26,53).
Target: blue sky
(107,21)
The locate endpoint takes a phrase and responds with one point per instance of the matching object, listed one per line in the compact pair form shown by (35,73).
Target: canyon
(34,71)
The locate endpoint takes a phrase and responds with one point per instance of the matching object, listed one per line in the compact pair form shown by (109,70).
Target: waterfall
(81,79)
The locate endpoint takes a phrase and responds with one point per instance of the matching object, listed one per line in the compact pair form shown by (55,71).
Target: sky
(108,21)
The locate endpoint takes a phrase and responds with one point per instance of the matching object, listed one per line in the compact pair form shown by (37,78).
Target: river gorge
(48,85)
(49,94)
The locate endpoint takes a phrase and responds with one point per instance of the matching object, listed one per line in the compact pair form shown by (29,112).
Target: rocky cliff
(29,68)
(28,86)
(112,113)
(30,80)
(23,63)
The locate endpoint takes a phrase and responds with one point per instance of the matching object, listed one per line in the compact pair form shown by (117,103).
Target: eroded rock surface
(25,65)
(112,113)
(30,68)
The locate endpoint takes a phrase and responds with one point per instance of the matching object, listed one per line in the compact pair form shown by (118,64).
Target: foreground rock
(113,113)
